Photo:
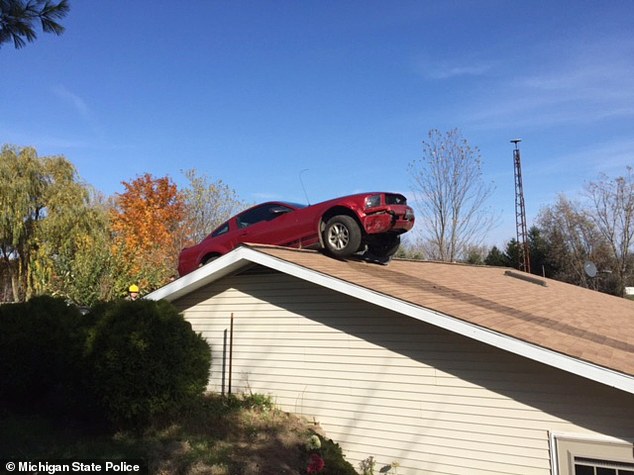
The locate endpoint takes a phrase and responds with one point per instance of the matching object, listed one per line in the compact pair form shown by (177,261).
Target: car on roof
(369,224)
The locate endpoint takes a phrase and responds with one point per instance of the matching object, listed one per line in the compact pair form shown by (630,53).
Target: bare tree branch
(612,211)
(451,196)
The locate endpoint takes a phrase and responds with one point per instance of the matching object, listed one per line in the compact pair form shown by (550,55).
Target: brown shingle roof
(570,320)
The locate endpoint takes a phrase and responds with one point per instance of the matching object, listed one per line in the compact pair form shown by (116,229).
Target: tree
(145,220)
(42,210)
(495,257)
(612,212)
(450,195)
(571,239)
(475,255)
(538,248)
(207,205)
(82,263)
(18,16)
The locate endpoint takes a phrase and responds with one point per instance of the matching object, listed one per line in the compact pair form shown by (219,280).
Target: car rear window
(394,199)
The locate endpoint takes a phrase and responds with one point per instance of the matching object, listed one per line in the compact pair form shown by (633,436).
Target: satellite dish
(590,269)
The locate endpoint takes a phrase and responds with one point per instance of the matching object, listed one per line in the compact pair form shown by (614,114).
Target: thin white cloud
(581,84)
(73,100)
(80,106)
(610,158)
(450,69)
(447,71)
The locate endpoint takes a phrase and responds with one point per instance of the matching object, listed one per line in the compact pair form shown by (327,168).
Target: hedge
(126,361)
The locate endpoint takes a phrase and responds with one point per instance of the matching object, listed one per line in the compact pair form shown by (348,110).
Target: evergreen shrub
(145,361)
(40,353)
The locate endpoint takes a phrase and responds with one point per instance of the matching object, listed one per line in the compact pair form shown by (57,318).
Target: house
(444,368)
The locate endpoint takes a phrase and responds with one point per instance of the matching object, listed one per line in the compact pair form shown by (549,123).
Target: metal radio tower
(520,213)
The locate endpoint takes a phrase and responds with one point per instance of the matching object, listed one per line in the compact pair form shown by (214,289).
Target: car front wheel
(207,259)
(342,236)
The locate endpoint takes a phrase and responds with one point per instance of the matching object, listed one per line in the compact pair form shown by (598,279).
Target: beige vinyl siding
(386,385)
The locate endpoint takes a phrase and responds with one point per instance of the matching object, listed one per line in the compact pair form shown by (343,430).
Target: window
(589,466)
(601,456)
(261,213)
(221,229)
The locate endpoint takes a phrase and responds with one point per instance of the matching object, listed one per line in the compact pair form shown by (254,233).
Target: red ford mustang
(368,222)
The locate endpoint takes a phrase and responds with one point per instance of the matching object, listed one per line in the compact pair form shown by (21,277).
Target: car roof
(301,205)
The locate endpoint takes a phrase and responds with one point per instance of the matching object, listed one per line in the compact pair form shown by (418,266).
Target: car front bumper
(388,221)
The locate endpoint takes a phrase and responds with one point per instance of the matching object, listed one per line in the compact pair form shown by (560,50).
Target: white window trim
(554,452)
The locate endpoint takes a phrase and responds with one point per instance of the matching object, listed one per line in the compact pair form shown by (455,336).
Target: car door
(270,223)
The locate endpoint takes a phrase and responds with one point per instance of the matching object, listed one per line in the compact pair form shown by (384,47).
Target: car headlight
(373,201)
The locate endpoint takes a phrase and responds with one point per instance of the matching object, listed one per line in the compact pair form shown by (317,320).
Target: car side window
(261,213)
(221,229)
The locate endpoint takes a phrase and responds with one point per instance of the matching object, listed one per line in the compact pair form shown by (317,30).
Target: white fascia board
(217,269)
(245,255)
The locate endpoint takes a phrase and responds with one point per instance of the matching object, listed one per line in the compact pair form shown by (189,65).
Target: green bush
(40,353)
(145,360)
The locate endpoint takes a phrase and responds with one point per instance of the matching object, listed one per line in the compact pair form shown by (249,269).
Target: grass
(215,436)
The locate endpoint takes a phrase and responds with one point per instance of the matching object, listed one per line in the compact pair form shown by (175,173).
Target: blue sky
(254,92)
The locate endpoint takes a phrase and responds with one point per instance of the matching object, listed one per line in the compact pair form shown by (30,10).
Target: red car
(368,222)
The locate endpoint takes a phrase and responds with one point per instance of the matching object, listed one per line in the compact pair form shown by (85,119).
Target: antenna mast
(520,213)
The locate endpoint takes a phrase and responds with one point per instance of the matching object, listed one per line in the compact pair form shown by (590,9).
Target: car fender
(352,211)
(219,251)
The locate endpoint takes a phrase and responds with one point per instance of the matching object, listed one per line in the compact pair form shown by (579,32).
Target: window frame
(565,447)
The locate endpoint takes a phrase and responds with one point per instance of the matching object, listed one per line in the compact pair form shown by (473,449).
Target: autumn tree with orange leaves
(146,224)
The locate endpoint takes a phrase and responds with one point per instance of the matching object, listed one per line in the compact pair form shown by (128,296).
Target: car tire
(342,236)
(208,259)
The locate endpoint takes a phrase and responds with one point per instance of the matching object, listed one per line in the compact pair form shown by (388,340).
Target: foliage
(75,260)
(261,402)
(324,456)
(145,360)
(474,255)
(145,220)
(410,248)
(60,237)
(450,195)
(611,209)
(571,239)
(17,18)
(538,251)
(44,215)
(569,234)
(495,257)
(368,467)
(128,361)
(41,345)
(207,205)
(212,435)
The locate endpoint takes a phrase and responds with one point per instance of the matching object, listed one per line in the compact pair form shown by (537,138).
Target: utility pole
(520,212)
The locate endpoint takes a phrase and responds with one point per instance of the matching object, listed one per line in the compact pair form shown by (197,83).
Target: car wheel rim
(338,236)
